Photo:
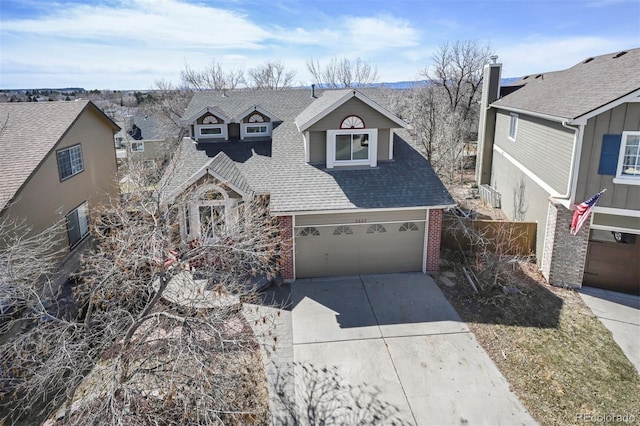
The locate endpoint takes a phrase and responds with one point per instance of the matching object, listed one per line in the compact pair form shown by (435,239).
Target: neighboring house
(140,139)
(549,141)
(58,161)
(342,176)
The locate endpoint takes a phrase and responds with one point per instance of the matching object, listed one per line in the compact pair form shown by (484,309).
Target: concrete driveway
(390,349)
(620,314)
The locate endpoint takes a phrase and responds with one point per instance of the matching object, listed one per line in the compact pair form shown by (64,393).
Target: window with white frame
(208,214)
(137,146)
(513,126)
(352,147)
(78,224)
(70,161)
(250,130)
(629,157)
(212,131)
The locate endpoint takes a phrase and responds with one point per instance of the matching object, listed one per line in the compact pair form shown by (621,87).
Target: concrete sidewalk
(620,313)
(390,348)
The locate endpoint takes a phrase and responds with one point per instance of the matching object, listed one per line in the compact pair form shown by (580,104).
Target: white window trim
(620,178)
(513,122)
(84,230)
(230,204)
(141,143)
(224,135)
(372,161)
(78,146)
(244,126)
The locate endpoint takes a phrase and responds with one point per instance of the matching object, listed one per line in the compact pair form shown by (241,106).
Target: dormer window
(211,127)
(352,147)
(256,125)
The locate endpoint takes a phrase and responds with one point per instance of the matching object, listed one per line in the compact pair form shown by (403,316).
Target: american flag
(582,212)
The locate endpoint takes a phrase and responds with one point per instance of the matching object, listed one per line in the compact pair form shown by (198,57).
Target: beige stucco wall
(45,199)
(153,150)
(625,117)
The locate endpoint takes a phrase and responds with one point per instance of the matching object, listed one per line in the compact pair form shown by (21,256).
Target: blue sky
(129,44)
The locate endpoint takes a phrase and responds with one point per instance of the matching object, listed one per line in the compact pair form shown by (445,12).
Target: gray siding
(372,118)
(317,147)
(625,117)
(383,144)
(542,146)
(522,198)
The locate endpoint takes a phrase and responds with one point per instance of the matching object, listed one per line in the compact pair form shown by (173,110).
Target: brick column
(564,255)
(286,251)
(433,243)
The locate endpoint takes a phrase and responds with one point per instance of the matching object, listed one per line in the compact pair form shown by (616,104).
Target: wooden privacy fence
(514,238)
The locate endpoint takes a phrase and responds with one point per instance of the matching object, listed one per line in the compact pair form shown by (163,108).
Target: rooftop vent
(586,61)
(620,54)
(540,76)
(525,77)
(494,59)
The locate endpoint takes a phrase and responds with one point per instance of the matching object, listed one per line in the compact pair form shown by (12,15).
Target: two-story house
(549,141)
(349,188)
(58,160)
(141,139)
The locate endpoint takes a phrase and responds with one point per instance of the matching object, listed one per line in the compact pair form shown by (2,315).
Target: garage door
(369,248)
(612,265)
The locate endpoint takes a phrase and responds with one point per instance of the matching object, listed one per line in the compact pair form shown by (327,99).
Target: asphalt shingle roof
(578,90)
(278,166)
(29,132)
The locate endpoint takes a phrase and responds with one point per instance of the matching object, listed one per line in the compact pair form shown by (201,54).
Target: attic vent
(619,54)
(586,61)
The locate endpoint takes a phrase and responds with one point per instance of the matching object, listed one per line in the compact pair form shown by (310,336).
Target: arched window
(343,230)
(256,118)
(307,231)
(376,228)
(352,122)
(408,226)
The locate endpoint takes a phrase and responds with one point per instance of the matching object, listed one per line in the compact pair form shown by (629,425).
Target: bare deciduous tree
(444,112)
(342,73)
(272,75)
(159,332)
(211,77)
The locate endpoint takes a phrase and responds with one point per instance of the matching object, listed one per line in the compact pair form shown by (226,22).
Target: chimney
(313,90)
(486,129)
(128,123)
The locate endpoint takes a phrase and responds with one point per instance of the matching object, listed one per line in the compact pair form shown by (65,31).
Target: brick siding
(564,254)
(433,243)
(286,255)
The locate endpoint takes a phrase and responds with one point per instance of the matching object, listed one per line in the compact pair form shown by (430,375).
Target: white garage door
(370,248)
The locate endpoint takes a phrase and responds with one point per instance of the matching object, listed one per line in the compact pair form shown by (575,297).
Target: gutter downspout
(577,147)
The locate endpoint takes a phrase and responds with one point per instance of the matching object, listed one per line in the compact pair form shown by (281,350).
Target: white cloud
(539,54)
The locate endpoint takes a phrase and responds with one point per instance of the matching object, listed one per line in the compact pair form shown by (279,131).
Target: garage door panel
(613,266)
(366,250)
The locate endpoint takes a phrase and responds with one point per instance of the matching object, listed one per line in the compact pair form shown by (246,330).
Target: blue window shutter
(609,154)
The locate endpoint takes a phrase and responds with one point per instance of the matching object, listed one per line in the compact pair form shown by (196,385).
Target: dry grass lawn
(560,360)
